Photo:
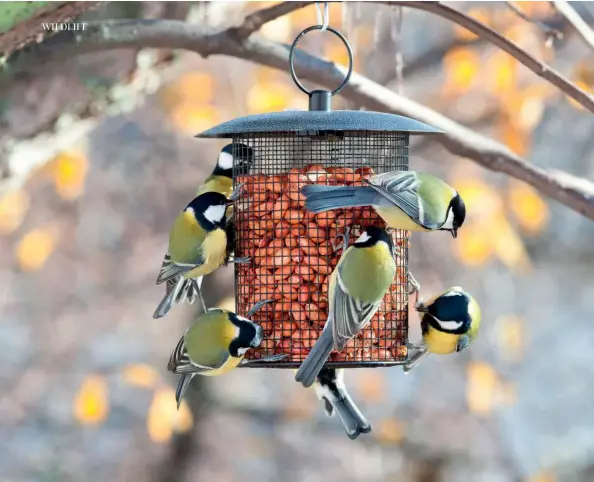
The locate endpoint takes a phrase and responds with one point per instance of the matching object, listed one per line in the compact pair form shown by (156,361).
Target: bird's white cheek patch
(450,325)
(214,213)
(225,160)
(364,237)
(242,351)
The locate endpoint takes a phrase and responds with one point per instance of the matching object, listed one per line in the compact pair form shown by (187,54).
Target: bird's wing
(180,361)
(171,269)
(350,314)
(463,343)
(402,189)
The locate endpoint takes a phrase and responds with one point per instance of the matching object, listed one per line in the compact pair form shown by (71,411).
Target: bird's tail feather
(353,421)
(415,360)
(182,386)
(311,366)
(177,292)
(325,198)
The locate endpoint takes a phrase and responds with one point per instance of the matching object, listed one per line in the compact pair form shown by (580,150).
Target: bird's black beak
(421,308)
(454,233)
(230,202)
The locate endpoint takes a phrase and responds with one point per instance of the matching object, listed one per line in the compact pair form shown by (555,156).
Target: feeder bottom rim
(293,365)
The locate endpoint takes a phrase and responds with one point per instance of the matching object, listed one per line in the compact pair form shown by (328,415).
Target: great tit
(330,388)
(214,345)
(450,322)
(221,178)
(357,285)
(413,201)
(197,247)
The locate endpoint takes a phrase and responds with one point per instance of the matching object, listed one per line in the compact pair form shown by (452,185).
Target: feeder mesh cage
(293,251)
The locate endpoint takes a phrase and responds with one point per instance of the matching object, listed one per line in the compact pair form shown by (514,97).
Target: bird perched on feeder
(409,200)
(221,178)
(214,345)
(330,388)
(357,285)
(197,247)
(450,322)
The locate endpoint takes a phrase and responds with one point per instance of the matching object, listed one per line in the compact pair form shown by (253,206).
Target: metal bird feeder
(292,250)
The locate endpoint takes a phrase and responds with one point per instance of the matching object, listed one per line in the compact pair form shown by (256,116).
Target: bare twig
(577,22)
(254,22)
(567,189)
(539,68)
(551,34)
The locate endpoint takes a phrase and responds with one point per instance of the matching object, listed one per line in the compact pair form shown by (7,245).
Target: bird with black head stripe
(450,323)
(215,344)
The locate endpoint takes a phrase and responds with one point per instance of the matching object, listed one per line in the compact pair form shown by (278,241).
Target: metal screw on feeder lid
(320,100)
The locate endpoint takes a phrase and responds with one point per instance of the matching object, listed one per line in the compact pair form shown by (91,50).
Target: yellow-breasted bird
(197,247)
(357,285)
(220,180)
(214,345)
(330,388)
(414,201)
(450,323)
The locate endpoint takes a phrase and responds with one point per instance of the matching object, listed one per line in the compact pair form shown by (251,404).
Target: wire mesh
(294,252)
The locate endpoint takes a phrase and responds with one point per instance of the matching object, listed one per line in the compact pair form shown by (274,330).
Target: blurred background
(97,156)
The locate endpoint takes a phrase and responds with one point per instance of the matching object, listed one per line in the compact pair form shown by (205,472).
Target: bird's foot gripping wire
(345,240)
(257,307)
(413,285)
(237,193)
(266,359)
(240,260)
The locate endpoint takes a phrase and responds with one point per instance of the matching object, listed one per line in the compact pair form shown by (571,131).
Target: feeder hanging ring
(292,58)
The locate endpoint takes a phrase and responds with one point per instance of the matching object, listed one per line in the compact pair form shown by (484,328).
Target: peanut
(293,255)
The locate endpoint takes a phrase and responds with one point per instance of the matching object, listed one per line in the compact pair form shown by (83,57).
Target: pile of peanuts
(293,253)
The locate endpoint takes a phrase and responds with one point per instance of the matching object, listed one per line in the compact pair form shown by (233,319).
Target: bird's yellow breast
(221,184)
(231,364)
(397,219)
(214,249)
(440,343)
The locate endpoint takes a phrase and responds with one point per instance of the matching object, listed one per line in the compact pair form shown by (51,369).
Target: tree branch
(577,22)
(551,34)
(254,22)
(539,68)
(566,189)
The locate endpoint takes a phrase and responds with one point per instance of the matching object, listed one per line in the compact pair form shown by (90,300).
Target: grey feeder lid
(295,122)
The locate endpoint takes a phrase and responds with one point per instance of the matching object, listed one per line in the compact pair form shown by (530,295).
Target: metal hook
(325,19)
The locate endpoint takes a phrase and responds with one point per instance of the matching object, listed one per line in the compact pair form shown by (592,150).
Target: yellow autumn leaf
(481,388)
(508,245)
(372,386)
(389,431)
(542,477)
(528,207)
(191,118)
(510,337)
(473,246)
(163,417)
(193,88)
(69,172)
(482,15)
(518,140)
(481,199)
(461,66)
(269,97)
(141,375)
(13,208)
(91,402)
(584,72)
(502,69)
(35,248)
